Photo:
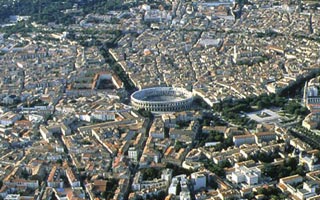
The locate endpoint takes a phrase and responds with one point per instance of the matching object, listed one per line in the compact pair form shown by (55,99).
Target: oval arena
(162,99)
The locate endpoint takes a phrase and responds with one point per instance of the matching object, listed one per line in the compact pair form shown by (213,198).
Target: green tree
(217,169)
(111,187)
(178,145)
(178,188)
(145,113)
(60,161)
(150,173)
(161,195)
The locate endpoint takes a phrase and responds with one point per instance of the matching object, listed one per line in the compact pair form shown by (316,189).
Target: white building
(180,179)
(84,117)
(74,182)
(169,120)
(9,118)
(243,174)
(243,139)
(291,179)
(157,129)
(156,184)
(166,174)
(173,186)
(199,180)
(156,15)
(32,184)
(54,179)
(312,91)
(265,137)
(65,130)
(12,197)
(104,115)
(45,133)
(308,191)
(133,154)
(309,161)
(185,195)
(8,100)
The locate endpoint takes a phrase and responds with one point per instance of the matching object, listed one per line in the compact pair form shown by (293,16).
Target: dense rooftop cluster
(210,52)
(69,131)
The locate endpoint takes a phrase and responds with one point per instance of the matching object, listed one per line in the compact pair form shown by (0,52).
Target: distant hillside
(44,11)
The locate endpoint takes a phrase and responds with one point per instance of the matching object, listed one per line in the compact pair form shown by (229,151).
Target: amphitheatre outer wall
(162,99)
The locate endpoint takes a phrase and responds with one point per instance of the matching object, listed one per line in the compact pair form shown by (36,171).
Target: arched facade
(162,99)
